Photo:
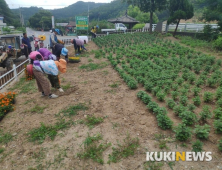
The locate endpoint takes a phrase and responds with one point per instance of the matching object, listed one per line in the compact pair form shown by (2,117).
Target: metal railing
(12,74)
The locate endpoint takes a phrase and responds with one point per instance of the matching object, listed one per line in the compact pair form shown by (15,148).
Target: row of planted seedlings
(172,73)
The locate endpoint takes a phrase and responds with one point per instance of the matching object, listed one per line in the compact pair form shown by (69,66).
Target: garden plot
(120,101)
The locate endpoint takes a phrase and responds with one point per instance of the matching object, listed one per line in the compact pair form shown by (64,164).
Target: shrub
(146,99)
(179,109)
(164,121)
(219,93)
(188,117)
(208,97)
(191,107)
(7,101)
(202,132)
(160,96)
(217,113)
(196,101)
(182,132)
(218,43)
(148,86)
(140,94)
(171,103)
(196,91)
(160,110)
(219,103)
(183,100)
(197,146)
(174,94)
(138,26)
(152,105)
(205,114)
(218,125)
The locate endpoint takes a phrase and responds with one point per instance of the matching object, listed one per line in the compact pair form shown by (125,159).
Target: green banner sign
(81,23)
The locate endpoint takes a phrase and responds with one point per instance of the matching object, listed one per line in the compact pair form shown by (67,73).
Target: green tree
(6,12)
(142,17)
(41,19)
(149,6)
(212,11)
(179,9)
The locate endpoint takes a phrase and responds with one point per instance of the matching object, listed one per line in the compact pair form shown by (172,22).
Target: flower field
(7,101)
(186,82)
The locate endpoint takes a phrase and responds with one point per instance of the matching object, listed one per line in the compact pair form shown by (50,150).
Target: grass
(114,125)
(93,150)
(5,137)
(66,87)
(91,121)
(38,109)
(25,86)
(90,60)
(39,134)
(162,144)
(105,72)
(114,85)
(2,150)
(110,91)
(93,66)
(73,110)
(152,165)
(124,150)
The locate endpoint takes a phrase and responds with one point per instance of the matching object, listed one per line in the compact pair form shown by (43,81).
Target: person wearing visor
(53,38)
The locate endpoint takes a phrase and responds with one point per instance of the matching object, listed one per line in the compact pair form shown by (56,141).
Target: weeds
(105,72)
(39,134)
(92,150)
(93,66)
(66,87)
(90,60)
(25,86)
(91,121)
(73,110)
(152,165)
(114,85)
(124,150)
(38,109)
(5,137)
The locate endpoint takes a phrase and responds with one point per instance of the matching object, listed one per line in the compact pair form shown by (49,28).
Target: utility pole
(88,20)
(20,14)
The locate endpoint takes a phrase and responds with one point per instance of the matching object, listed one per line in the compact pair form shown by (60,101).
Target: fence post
(185,28)
(15,73)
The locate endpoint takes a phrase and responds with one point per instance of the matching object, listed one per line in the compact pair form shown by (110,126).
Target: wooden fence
(7,76)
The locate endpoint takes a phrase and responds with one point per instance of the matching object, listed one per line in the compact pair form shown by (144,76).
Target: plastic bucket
(84,38)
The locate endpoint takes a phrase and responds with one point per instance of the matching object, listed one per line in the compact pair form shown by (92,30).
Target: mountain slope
(67,12)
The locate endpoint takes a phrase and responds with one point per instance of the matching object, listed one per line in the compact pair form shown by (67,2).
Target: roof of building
(124,19)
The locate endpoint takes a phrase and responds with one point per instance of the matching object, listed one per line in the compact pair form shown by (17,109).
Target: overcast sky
(47,4)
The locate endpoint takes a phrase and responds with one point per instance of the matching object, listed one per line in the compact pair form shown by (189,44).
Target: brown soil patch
(123,114)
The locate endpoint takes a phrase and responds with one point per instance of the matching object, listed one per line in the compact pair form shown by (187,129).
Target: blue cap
(64,51)
(57,30)
(97,26)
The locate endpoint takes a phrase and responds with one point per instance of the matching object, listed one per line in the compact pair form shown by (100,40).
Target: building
(2,24)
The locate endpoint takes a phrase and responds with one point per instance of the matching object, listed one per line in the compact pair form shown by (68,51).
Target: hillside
(108,11)
(67,12)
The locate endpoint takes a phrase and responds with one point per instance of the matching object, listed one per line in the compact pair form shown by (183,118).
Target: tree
(179,9)
(41,19)
(6,12)
(212,11)
(141,16)
(149,6)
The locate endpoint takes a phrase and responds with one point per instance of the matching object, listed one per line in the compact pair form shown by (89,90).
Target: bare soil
(123,114)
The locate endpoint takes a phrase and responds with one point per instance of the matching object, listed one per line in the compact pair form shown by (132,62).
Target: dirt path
(123,114)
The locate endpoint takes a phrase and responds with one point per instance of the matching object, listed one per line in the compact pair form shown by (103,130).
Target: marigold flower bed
(7,101)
